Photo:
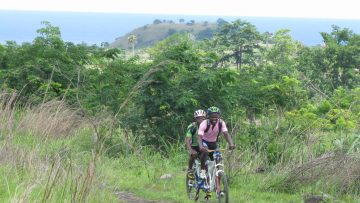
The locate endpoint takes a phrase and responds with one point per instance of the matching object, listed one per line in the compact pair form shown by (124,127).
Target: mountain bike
(215,182)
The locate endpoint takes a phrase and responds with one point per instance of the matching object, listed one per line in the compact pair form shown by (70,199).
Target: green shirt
(191,131)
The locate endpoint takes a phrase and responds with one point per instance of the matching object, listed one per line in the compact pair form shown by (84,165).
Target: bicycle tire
(223,194)
(190,189)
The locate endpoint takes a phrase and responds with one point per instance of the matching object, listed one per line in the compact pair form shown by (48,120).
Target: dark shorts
(211,146)
(196,148)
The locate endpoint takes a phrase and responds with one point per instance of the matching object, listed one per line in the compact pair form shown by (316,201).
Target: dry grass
(337,171)
(53,118)
(50,173)
(16,156)
(7,112)
(18,159)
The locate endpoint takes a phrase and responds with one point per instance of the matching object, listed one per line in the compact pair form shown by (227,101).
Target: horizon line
(179,14)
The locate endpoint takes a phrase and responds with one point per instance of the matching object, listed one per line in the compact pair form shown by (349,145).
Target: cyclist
(208,133)
(192,140)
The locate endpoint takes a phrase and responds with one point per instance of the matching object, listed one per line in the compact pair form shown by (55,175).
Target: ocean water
(95,28)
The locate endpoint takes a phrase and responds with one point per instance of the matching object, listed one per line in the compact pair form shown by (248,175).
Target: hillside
(149,34)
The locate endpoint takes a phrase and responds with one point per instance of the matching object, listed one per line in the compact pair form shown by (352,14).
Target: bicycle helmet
(199,113)
(212,110)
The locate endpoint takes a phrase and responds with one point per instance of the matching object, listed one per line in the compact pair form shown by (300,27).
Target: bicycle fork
(217,178)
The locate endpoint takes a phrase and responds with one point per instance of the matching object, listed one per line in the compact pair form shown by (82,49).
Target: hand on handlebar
(231,147)
(193,152)
(203,149)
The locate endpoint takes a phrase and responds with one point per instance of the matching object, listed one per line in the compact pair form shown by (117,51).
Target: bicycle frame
(199,184)
(214,181)
(214,168)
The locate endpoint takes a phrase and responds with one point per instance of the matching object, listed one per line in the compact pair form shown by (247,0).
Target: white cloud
(345,9)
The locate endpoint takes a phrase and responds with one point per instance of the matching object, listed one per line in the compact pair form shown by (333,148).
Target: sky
(328,9)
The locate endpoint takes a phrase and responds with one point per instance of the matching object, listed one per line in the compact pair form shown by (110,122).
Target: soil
(128,197)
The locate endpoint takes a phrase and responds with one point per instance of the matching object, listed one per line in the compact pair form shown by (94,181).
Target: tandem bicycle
(216,180)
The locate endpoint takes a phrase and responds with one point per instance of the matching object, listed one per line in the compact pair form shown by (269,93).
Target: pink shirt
(212,133)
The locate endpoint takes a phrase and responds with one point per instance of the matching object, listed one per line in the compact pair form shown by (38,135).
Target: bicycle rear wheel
(190,188)
(222,191)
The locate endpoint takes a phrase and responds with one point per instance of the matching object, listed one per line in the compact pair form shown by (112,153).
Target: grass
(127,174)
(69,157)
(60,165)
(54,170)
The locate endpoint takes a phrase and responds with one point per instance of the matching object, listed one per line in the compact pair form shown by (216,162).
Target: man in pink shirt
(209,131)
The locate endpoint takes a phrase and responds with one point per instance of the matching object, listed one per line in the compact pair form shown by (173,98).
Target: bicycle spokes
(222,192)
(215,182)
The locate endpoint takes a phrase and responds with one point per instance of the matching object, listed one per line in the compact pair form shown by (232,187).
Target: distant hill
(149,34)
(97,28)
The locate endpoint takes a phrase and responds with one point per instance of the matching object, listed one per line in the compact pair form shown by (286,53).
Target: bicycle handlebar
(216,150)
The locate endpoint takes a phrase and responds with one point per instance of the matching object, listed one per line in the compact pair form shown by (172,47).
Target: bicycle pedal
(221,194)
(191,176)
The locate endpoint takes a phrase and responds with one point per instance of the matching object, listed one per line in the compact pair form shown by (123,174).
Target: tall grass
(53,118)
(294,163)
(40,159)
(7,112)
(315,162)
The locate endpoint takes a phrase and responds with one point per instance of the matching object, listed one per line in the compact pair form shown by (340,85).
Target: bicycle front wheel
(222,191)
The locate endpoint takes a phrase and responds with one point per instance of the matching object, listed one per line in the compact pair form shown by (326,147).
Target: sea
(96,28)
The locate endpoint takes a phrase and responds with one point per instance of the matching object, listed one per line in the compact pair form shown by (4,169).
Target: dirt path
(128,197)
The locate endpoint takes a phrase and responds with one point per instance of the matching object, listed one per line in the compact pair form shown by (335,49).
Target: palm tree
(132,39)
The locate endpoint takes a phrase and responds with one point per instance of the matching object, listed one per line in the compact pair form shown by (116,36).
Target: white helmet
(199,113)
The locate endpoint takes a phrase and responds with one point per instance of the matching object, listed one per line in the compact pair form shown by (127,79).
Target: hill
(149,34)
(99,28)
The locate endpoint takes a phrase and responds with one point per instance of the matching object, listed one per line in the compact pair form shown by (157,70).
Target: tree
(157,21)
(241,38)
(205,34)
(221,22)
(283,50)
(46,68)
(342,49)
(335,64)
(132,39)
(191,22)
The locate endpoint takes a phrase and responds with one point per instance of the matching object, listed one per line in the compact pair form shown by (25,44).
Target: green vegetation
(83,123)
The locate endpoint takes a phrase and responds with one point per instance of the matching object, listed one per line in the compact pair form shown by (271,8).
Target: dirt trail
(128,197)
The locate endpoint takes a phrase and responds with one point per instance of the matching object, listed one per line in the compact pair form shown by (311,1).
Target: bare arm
(229,140)
(200,142)
(188,144)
